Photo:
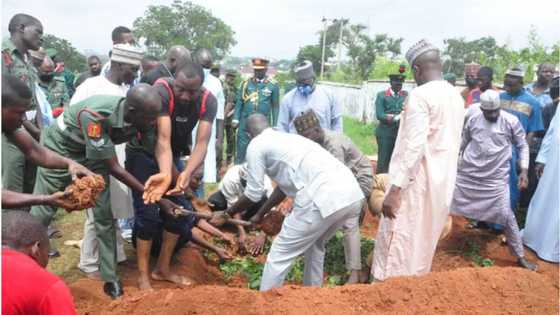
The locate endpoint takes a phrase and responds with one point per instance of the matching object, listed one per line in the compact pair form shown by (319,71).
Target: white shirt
(302,169)
(98,85)
(231,186)
(214,85)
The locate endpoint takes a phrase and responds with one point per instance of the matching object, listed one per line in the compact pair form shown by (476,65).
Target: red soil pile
(456,287)
(464,291)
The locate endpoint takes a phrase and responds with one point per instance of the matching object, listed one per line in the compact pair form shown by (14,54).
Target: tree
(183,23)
(459,51)
(313,53)
(73,60)
(363,50)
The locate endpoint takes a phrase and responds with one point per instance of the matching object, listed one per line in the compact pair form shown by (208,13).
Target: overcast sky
(277,29)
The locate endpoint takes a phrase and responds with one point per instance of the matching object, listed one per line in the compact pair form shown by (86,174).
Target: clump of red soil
(272,223)
(463,291)
(82,193)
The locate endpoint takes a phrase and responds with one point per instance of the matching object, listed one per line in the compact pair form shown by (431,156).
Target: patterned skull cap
(490,100)
(306,120)
(421,47)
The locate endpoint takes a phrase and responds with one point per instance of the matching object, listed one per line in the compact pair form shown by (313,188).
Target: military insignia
(267,92)
(97,143)
(94,130)
(7,58)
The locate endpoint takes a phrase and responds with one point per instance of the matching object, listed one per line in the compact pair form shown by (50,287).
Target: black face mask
(46,77)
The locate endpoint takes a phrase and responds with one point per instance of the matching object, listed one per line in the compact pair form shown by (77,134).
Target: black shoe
(524,263)
(113,289)
(53,253)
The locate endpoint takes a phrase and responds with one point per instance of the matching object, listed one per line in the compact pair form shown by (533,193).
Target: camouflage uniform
(18,174)
(56,92)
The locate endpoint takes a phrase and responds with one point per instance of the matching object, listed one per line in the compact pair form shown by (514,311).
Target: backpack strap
(166,85)
(203,104)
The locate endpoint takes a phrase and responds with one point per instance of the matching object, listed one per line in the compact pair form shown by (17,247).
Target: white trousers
(352,246)
(89,252)
(305,232)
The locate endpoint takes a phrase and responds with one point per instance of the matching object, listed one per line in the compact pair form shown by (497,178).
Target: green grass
(361,134)
(335,267)
(72,227)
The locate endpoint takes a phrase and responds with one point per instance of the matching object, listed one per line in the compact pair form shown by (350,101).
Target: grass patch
(335,267)
(361,134)
(473,253)
(72,227)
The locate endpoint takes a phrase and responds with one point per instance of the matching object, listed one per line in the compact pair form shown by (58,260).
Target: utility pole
(340,42)
(323,50)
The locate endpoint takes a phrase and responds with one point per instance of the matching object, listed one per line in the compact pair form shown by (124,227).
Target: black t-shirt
(154,74)
(185,117)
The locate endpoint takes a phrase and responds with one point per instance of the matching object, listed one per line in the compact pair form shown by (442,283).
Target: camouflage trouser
(230,140)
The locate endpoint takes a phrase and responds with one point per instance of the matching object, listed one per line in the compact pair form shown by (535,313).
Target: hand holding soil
(82,193)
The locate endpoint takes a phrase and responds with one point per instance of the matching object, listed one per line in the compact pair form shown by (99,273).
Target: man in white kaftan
(542,227)
(422,171)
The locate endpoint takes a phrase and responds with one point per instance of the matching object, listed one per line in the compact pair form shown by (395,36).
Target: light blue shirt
(543,98)
(324,104)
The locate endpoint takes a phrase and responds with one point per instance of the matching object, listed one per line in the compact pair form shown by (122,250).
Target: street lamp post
(323,50)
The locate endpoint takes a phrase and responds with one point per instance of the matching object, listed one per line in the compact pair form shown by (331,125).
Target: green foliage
(361,134)
(313,54)
(183,23)
(485,51)
(363,50)
(334,264)
(246,266)
(473,253)
(73,60)
(385,66)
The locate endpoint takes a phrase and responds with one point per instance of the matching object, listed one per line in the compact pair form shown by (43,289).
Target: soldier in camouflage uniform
(230,90)
(18,174)
(87,133)
(53,86)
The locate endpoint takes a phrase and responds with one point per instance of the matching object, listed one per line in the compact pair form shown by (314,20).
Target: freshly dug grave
(457,286)
(463,291)
(82,193)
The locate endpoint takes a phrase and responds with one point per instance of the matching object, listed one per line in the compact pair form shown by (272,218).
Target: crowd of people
(154,130)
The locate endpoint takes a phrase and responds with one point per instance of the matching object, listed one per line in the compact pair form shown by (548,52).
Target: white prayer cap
(423,46)
(490,100)
(124,53)
(304,71)
(516,72)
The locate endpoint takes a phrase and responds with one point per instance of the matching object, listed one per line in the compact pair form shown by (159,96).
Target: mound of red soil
(463,291)
(456,286)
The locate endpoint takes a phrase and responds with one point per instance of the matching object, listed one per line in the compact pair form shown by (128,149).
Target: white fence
(358,101)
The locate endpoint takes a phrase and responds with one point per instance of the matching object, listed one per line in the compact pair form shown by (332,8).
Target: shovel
(204,215)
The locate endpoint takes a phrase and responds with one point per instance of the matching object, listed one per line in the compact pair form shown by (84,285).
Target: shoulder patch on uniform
(7,58)
(94,130)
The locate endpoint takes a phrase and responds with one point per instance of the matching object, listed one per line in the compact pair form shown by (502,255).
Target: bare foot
(171,277)
(144,283)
